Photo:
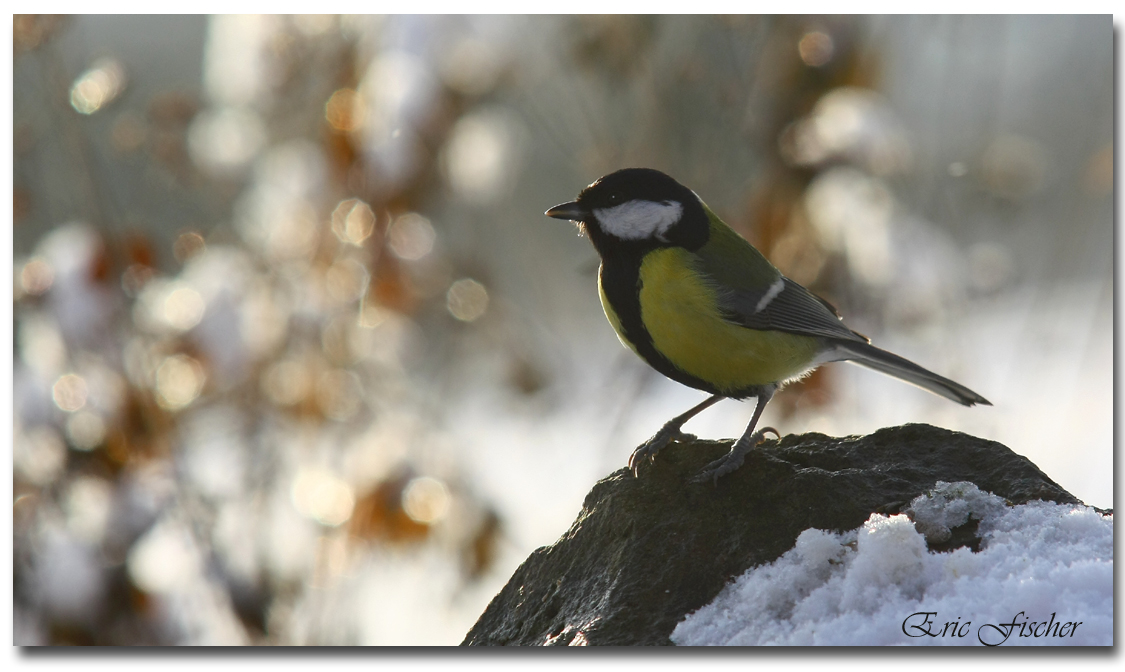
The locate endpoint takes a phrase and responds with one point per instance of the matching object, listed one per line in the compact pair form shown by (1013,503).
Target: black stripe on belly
(621,282)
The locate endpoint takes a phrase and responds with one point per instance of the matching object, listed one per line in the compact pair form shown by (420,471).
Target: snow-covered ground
(1043,576)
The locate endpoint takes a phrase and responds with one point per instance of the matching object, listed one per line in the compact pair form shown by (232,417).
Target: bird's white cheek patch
(638,220)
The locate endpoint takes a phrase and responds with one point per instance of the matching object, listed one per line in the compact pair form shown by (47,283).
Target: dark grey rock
(646,551)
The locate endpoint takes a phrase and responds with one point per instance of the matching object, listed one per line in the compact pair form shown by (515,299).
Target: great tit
(704,307)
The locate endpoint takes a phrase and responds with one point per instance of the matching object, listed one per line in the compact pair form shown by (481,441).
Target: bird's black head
(637,208)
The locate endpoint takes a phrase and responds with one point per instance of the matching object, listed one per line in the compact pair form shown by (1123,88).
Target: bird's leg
(668,433)
(733,459)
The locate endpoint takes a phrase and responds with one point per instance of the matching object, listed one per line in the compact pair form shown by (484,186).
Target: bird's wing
(753,294)
(792,308)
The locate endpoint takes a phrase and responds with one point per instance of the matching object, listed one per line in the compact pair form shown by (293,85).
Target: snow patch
(1041,569)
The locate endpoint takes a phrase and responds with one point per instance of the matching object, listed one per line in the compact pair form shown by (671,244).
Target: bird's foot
(733,459)
(648,450)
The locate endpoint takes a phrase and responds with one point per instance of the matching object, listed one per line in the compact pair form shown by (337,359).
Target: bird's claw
(658,442)
(734,458)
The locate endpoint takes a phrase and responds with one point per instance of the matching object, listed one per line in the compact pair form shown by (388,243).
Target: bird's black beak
(572,211)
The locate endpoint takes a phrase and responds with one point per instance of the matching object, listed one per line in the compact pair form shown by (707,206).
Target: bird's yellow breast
(680,312)
(614,320)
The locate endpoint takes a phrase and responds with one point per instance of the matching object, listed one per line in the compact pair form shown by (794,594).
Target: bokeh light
(411,236)
(164,559)
(85,430)
(39,455)
(183,308)
(70,392)
(88,505)
(41,344)
(353,221)
(321,496)
(179,380)
(36,276)
(188,245)
(98,86)
(344,110)
(815,48)
(226,139)
(480,156)
(426,500)
(467,300)
(286,382)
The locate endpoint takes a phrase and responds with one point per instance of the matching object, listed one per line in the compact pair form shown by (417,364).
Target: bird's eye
(613,198)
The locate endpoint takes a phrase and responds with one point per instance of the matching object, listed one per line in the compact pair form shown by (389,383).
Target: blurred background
(299,360)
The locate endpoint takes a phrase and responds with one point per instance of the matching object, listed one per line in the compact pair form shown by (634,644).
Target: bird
(701,305)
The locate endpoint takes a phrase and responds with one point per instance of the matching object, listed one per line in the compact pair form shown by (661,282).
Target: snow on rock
(1043,576)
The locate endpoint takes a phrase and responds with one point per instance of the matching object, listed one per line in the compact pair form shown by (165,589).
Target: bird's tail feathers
(904,369)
